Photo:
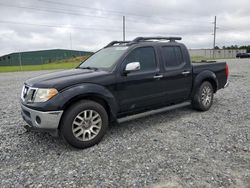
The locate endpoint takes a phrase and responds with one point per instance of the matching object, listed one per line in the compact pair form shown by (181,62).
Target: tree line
(235,47)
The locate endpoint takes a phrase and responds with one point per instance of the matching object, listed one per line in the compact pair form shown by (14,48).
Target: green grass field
(199,58)
(62,64)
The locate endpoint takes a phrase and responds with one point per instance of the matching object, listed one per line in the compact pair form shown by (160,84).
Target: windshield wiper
(90,68)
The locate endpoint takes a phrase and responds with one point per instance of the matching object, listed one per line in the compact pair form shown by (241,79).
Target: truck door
(142,88)
(177,73)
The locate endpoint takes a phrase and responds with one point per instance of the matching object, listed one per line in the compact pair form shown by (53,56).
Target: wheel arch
(90,96)
(92,92)
(202,77)
(212,82)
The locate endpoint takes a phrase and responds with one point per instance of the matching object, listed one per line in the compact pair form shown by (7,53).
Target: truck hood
(63,79)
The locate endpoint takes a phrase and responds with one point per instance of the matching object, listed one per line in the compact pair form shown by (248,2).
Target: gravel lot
(180,148)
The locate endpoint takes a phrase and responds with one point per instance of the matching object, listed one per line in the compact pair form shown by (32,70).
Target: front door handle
(185,72)
(158,76)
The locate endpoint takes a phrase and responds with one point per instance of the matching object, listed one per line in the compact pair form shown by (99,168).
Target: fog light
(38,120)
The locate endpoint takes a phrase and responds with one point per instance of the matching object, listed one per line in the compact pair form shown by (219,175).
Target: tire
(203,98)
(84,124)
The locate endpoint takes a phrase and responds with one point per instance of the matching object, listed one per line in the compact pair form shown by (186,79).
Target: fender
(204,75)
(89,90)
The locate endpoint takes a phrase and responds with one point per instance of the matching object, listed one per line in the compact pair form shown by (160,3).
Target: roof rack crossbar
(140,39)
(171,39)
(116,42)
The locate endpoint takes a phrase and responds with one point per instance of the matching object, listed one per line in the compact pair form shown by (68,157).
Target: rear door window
(172,56)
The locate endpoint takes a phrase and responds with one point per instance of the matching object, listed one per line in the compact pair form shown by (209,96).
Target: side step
(152,112)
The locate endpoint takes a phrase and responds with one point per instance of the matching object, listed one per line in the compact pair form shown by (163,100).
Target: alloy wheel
(86,125)
(206,96)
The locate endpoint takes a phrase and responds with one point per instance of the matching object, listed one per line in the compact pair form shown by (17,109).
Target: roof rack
(116,42)
(141,39)
(171,39)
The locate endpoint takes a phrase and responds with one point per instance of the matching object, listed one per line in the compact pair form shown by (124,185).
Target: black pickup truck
(122,79)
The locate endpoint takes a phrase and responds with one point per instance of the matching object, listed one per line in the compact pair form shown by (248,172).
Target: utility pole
(42,62)
(71,56)
(20,61)
(70,40)
(123,23)
(214,34)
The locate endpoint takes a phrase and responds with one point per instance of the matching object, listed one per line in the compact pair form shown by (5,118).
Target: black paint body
(132,93)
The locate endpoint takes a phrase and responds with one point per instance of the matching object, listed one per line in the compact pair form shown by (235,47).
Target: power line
(63,11)
(67,27)
(85,28)
(56,11)
(165,23)
(91,8)
(116,12)
(59,26)
(79,14)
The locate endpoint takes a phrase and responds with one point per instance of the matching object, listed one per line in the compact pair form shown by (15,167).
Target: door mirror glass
(132,67)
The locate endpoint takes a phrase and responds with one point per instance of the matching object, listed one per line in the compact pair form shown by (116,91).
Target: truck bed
(216,67)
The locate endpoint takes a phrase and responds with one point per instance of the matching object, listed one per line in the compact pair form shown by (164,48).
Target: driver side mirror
(132,67)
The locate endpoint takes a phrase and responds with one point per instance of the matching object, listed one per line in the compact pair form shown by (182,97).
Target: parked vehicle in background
(122,79)
(242,55)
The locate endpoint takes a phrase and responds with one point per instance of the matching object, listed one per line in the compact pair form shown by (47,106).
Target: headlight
(43,95)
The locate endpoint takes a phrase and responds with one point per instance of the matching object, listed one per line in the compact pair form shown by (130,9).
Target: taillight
(227,71)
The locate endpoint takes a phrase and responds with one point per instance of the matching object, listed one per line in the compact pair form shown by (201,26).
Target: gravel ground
(180,148)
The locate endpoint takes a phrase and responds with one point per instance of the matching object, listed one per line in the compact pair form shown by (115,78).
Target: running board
(152,112)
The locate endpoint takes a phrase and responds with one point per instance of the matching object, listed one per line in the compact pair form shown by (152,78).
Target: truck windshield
(105,58)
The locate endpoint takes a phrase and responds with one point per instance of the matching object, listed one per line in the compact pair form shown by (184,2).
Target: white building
(218,53)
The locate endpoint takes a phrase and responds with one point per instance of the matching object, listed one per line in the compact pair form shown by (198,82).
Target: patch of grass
(62,64)
(199,58)
(202,58)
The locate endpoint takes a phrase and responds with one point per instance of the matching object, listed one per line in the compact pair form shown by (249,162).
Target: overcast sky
(89,25)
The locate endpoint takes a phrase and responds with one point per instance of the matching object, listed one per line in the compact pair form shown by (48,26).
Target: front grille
(25,91)
(28,93)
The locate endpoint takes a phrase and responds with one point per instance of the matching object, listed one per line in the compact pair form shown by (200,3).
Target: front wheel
(84,124)
(203,98)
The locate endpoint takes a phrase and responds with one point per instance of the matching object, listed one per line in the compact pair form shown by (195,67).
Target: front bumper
(41,120)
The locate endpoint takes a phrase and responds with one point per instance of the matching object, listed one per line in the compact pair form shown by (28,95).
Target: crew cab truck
(122,79)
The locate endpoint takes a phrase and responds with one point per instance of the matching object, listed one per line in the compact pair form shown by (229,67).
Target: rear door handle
(158,76)
(185,72)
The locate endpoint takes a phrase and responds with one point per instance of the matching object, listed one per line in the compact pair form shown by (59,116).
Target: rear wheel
(84,124)
(203,98)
